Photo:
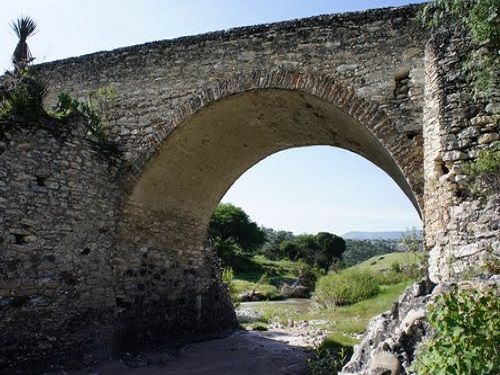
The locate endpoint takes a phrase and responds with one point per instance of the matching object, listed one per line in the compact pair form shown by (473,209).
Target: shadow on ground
(239,354)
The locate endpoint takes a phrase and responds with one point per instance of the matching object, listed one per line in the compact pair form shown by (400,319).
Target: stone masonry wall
(83,272)
(377,53)
(57,223)
(64,275)
(462,229)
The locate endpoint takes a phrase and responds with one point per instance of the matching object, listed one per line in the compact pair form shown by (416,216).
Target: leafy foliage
(467,335)
(230,224)
(25,96)
(484,171)
(345,288)
(320,250)
(65,107)
(482,19)
(329,358)
(94,110)
(228,276)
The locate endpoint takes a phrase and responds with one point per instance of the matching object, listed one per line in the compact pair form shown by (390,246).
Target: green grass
(256,326)
(287,270)
(381,263)
(344,321)
(265,273)
(283,268)
(269,292)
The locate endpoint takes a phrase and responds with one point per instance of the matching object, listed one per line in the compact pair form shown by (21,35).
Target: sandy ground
(239,354)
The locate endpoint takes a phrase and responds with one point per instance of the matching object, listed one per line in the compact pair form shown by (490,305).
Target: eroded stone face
(462,228)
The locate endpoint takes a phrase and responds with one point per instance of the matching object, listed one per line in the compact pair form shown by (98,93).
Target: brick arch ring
(233,123)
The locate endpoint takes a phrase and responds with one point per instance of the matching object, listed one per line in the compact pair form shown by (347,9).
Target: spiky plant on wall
(23,27)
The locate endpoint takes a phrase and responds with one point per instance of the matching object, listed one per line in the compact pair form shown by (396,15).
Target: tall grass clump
(329,358)
(345,288)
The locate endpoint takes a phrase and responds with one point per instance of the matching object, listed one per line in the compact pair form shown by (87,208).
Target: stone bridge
(103,254)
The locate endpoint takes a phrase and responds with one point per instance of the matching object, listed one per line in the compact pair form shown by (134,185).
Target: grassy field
(346,323)
(380,263)
(267,273)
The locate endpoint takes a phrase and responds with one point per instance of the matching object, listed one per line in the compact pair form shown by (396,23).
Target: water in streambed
(299,305)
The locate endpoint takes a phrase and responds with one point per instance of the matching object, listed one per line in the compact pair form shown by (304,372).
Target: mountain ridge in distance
(387,235)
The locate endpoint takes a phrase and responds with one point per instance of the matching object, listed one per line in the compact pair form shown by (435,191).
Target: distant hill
(394,235)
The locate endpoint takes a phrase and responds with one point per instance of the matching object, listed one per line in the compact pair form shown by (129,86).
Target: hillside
(383,262)
(391,235)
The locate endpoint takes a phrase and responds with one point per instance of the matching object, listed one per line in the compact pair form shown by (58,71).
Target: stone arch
(402,148)
(400,159)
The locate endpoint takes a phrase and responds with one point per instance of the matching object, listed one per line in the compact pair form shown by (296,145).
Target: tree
(231,224)
(329,248)
(274,238)
(290,249)
(24,27)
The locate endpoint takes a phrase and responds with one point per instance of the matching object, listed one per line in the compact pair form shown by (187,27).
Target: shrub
(228,277)
(94,110)
(65,107)
(266,291)
(481,19)
(231,255)
(467,335)
(25,97)
(484,171)
(259,326)
(307,275)
(345,288)
(392,277)
(329,358)
(395,267)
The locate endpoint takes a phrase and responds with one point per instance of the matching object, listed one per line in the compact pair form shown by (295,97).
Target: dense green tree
(320,250)
(231,224)
(329,248)
(274,238)
(290,250)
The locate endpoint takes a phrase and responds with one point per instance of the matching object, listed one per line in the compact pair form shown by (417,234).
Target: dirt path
(241,353)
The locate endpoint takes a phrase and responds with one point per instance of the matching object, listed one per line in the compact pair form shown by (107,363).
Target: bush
(93,110)
(345,288)
(231,255)
(329,358)
(391,277)
(228,277)
(481,18)
(484,172)
(65,107)
(25,98)
(396,267)
(467,335)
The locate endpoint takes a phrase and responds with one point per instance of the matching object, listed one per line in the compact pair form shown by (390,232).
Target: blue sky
(302,190)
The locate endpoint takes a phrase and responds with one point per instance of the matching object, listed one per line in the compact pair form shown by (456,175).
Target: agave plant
(23,27)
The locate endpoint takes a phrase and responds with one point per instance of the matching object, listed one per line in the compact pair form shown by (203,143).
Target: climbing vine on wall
(481,18)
